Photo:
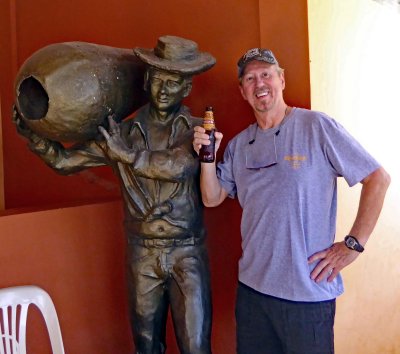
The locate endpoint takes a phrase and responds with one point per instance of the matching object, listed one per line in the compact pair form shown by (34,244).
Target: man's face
(167,90)
(262,85)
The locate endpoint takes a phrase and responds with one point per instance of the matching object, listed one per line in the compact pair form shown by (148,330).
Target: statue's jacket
(160,188)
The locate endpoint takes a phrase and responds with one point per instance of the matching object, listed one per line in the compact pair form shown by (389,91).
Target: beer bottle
(207,152)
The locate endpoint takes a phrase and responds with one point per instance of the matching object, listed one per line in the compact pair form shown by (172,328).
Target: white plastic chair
(14,304)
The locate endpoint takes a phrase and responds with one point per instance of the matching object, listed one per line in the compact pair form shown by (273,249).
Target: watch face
(351,242)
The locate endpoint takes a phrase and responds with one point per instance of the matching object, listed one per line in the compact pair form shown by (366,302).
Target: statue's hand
(36,143)
(116,148)
(22,128)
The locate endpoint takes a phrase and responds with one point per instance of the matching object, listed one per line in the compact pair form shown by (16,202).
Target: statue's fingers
(16,118)
(111,120)
(15,115)
(104,132)
(114,126)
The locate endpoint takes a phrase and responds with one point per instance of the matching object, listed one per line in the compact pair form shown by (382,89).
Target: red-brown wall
(220,30)
(284,29)
(76,253)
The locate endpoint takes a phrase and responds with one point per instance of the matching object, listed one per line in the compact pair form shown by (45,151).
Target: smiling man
(283,169)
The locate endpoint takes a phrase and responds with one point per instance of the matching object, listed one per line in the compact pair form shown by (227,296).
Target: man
(284,170)
(158,170)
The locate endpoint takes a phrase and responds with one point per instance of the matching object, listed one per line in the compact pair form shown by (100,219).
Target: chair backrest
(14,304)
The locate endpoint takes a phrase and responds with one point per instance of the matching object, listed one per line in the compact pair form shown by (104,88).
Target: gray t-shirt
(285,179)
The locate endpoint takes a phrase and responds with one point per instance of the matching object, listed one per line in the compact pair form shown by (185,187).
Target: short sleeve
(225,172)
(345,154)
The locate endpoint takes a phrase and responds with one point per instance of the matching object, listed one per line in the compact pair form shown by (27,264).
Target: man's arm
(371,202)
(212,193)
(338,256)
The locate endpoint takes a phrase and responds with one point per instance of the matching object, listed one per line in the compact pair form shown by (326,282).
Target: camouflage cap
(260,54)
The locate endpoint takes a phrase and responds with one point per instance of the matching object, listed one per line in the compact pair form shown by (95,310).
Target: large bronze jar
(64,91)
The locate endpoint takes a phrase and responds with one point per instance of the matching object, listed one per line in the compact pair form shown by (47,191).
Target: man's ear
(283,80)
(188,88)
(242,92)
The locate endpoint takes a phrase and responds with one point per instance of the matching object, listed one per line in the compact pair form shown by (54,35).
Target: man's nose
(258,81)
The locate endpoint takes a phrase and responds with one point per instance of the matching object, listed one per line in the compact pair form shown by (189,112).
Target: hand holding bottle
(201,138)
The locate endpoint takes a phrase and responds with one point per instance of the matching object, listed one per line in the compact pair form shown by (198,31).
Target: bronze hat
(177,55)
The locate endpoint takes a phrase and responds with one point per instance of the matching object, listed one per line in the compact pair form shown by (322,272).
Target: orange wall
(66,236)
(1,166)
(130,24)
(284,29)
(29,26)
(76,254)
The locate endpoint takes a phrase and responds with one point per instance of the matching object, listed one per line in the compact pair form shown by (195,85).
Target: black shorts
(269,325)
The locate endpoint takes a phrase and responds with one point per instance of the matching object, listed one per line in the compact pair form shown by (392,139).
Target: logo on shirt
(295,160)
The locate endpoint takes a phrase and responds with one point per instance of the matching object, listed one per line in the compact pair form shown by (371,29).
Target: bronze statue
(153,157)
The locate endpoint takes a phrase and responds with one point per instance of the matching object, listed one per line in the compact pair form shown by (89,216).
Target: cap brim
(201,63)
(265,60)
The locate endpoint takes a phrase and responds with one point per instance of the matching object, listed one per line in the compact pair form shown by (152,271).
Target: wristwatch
(352,243)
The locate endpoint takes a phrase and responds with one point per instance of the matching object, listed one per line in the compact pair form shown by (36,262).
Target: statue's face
(167,90)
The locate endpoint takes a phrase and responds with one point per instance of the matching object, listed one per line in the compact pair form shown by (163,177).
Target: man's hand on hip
(331,261)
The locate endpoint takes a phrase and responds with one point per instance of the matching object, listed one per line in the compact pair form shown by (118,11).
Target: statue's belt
(165,242)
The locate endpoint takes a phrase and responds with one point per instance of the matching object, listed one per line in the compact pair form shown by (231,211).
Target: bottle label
(208,120)
(209,115)
(208,124)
